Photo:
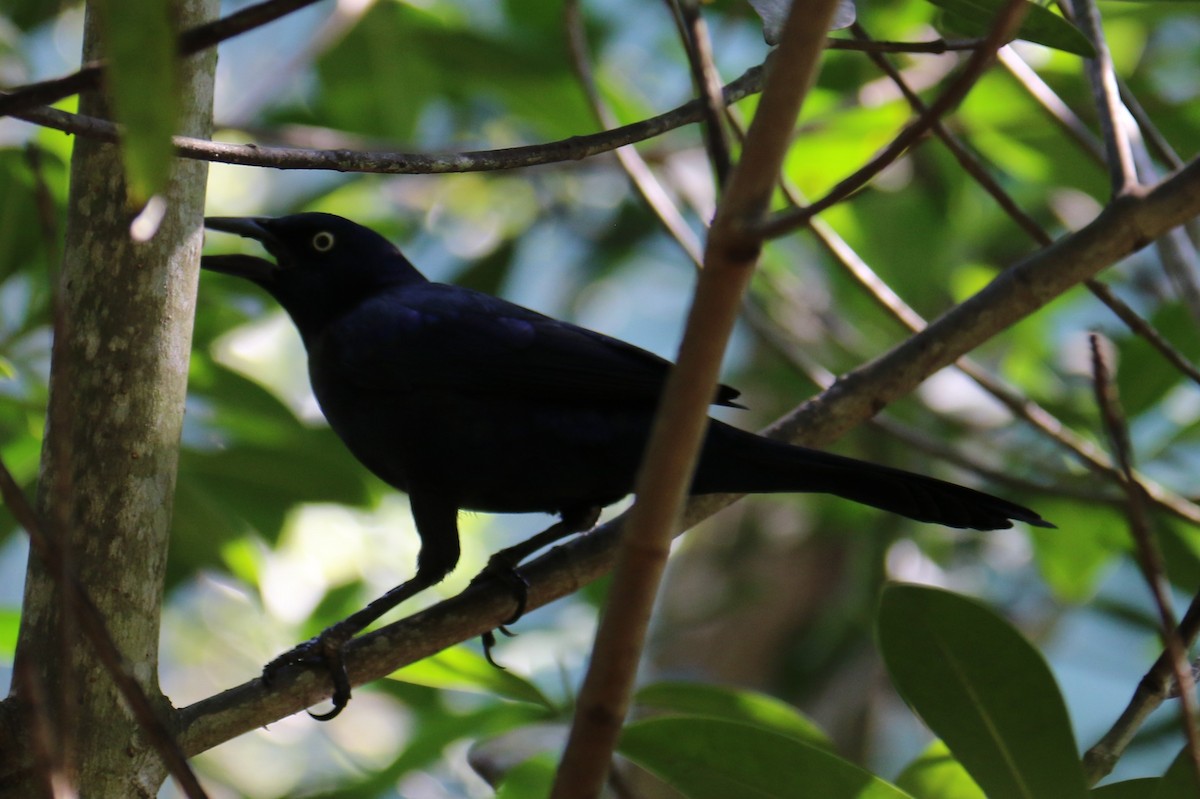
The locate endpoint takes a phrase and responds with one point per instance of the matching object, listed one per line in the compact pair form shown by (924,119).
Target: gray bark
(111,448)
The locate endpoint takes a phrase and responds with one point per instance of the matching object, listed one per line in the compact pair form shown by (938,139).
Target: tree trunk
(109,459)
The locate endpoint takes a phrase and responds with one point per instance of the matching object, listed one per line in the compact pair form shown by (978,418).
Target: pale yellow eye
(323,241)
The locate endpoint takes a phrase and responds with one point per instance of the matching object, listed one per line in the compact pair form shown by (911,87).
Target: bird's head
(323,263)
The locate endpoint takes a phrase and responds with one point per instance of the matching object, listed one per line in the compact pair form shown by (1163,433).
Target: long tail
(735,461)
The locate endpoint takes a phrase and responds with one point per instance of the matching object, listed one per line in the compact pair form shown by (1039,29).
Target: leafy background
(278,532)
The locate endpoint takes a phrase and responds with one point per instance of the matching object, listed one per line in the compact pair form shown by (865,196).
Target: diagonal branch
(1115,120)
(1148,555)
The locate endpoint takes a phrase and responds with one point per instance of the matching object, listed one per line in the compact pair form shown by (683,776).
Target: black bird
(466,401)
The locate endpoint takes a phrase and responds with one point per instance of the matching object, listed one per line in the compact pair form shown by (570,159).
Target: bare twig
(1149,558)
(936,47)
(1157,685)
(707,81)
(1050,102)
(644,181)
(1115,121)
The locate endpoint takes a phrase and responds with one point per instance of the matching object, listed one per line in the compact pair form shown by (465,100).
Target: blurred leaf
(461,669)
(1142,376)
(265,463)
(732,704)
(441,725)
(845,138)
(532,779)
(1180,546)
(1073,558)
(704,757)
(143,84)
(937,775)
(982,689)
(26,14)
(445,61)
(1180,781)
(1145,788)
(22,242)
(1042,26)
(10,624)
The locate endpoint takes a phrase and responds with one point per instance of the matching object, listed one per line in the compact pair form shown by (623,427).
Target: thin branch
(1151,690)
(1115,121)
(46,546)
(1149,558)
(1005,25)
(574,148)
(1124,227)
(707,81)
(1051,103)
(679,426)
(936,47)
(639,173)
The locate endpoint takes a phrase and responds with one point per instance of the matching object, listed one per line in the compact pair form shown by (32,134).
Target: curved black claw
(324,651)
(502,568)
(488,640)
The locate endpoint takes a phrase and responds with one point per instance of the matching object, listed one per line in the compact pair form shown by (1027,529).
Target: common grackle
(466,401)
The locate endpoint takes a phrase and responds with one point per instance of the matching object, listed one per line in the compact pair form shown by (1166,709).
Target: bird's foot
(324,651)
(503,567)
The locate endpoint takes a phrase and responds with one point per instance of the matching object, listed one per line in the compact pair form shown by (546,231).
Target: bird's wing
(439,336)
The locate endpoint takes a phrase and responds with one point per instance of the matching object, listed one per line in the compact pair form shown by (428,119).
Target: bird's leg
(503,565)
(437,525)
(326,649)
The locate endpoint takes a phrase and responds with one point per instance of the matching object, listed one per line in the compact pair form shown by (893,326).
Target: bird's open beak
(258,270)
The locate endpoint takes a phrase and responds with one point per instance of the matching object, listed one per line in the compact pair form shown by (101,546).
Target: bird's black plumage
(466,401)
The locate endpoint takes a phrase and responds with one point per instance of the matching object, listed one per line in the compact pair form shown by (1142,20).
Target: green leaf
(732,704)
(440,58)
(703,758)
(10,623)
(1042,26)
(1142,380)
(1073,564)
(1180,781)
(461,669)
(532,779)
(937,775)
(143,86)
(983,689)
(1144,788)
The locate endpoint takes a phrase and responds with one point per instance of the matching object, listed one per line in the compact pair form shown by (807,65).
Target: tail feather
(735,461)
